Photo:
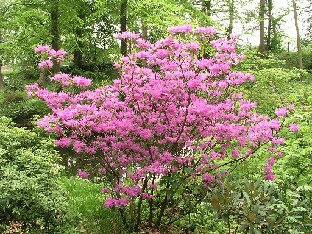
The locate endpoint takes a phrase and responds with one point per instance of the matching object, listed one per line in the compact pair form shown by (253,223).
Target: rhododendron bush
(162,134)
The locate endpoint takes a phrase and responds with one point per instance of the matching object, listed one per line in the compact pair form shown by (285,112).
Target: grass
(86,209)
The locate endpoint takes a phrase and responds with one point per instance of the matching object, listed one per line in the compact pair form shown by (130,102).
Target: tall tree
(270,17)
(55,32)
(206,7)
(261,16)
(298,34)
(231,17)
(1,76)
(123,25)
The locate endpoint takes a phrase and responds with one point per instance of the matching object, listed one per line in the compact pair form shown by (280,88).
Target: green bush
(21,112)
(244,206)
(9,96)
(14,81)
(30,194)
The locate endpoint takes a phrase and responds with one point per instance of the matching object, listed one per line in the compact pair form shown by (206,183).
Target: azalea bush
(162,136)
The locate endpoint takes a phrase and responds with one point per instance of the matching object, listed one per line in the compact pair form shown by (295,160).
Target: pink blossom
(42,49)
(207,178)
(125,35)
(45,64)
(105,190)
(81,81)
(268,169)
(294,127)
(181,29)
(291,107)
(111,202)
(278,141)
(63,142)
(281,112)
(270,176)
(83,174)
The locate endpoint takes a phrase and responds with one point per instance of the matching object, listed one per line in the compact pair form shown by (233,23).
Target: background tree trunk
(123,25)
(42,77)
(270,7)
(54,14)
(206,7)
(261,15)
(231,18)
(298,35)
(1,76)
(79,34)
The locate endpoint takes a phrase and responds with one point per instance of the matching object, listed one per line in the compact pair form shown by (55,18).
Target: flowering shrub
(162,132)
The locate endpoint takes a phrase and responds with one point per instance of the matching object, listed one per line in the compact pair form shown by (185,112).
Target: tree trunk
(79,34)
(144,31)
(54,14)
(42,77)
(298,35)
(261,14)
(206,7)
(231,17)
(123,25)
(269,41)
(1,76)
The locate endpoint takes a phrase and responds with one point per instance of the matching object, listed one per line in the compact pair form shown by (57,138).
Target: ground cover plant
(165,133)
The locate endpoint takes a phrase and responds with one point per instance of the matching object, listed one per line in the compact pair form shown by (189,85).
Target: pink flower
(270,176)
(180,29)
(63,142)
(105,190)
(207,178)
(42,49)
(291,107)
(125,35)
(278,141)
(294,127)
(45,64)
(110,202)
(281,112)
(81,81)
(122,202)
(83,174)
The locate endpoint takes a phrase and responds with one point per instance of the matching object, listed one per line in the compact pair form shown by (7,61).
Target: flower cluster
(173,111)
(83,174)
(46,51)
(125,35)
(268,169)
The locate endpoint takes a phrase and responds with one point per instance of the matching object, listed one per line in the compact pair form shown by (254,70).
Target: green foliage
(295,166)
(87,213)
(15,104)
(291,59)
(21,110)
(261,207)
(275,85)
(29,194)
(14,81)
